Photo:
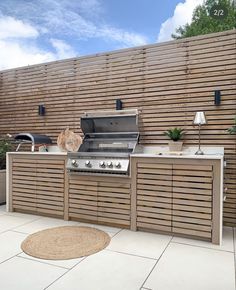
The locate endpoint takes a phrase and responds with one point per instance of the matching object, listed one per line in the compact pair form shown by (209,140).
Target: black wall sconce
(42,110)
(118,104)
(217,97)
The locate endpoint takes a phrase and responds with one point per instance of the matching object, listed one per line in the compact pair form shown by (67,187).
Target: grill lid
(110,122)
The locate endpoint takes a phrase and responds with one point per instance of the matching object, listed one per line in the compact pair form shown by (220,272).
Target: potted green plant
(5,146)
(175,135)
(232,130)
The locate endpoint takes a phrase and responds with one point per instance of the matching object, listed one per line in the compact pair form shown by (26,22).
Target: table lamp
(199,119)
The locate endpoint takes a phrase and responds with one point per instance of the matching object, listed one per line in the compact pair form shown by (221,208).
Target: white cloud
(78,19)
(35,31)
(18,49)
(124,37)
(182,15)
(70,22)
(63,50)
(13,28)
(13,54)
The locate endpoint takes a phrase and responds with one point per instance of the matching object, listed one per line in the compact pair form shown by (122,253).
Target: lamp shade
(200,118)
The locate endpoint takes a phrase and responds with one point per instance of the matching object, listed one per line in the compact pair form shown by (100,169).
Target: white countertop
(184,156)
(37,153)
(152,152)
(210,152)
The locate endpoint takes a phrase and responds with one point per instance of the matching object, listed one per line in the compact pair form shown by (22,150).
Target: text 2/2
(219,12)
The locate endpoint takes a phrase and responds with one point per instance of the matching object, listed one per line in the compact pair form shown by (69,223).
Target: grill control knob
(118,165)
(88,163)
(74,163)
(102,164)
(109,164)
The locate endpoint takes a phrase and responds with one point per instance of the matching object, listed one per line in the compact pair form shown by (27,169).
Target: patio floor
(132,261)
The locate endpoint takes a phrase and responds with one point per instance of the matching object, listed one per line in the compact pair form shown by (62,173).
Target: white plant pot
(175,146)
(2,186)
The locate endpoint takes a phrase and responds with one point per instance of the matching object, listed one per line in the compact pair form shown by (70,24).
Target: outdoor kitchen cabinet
(37,183)
(177,195)
(103,200)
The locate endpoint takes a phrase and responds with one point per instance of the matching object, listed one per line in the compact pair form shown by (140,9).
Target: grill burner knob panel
(98,165)
(74,163)
(88,163)
(118,165)
(102,164)
(109,164)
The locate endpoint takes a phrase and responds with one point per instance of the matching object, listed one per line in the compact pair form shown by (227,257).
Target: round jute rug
(66,242)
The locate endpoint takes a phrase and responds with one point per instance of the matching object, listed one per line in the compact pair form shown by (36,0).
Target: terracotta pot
(2,186)
(175,146)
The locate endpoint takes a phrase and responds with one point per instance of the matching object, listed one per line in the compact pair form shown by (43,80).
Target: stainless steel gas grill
(109,139)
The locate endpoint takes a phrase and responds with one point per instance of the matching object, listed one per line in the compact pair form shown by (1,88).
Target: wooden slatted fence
(167,82)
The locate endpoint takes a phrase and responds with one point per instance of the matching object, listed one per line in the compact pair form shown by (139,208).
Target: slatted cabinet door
(50,184)
(154,196)
(83,198)
(192,200)
(38,185)
(114,203)
(100,200)
(24,185)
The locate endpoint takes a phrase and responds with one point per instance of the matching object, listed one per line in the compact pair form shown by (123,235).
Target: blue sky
(37,31)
